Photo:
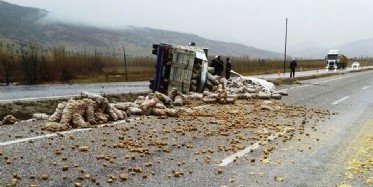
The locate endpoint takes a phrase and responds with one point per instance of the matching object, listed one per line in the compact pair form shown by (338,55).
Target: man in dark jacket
(293,65)
(228,68)
(217,64)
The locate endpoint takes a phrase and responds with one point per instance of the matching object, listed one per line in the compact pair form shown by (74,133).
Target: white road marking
(366,87)
(243,152)
(55,134)
(42,136)
(336,102)
(39,98)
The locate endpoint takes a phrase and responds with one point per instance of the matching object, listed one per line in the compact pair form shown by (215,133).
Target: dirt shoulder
(359,163)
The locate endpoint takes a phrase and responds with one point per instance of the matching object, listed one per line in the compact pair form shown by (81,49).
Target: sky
(257,23)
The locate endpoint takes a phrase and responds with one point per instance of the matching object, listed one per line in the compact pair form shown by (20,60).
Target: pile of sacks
(249,87)
(219,90)
(89,109)
(8,120)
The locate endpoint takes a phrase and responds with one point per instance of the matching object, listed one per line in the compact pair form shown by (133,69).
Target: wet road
(62,90)
(322,159)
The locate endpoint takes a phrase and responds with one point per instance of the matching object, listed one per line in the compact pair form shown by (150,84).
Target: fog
(258,23)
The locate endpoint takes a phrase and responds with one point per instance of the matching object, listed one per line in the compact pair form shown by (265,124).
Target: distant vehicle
(355,66)
(335,60)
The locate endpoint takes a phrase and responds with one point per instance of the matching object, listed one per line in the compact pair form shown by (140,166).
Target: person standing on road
(293,65)
(217,64)
(220,67)
(214,64)
(228,68)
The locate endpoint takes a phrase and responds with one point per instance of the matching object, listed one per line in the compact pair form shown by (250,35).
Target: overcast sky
(257,23)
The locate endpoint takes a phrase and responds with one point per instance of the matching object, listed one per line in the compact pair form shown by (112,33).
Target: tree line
(32,64)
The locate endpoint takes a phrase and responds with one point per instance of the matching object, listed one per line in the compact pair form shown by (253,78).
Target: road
(321,156)
(350,97)
(15,92)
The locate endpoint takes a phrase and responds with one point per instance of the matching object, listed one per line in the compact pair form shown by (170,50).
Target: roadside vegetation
(32,64)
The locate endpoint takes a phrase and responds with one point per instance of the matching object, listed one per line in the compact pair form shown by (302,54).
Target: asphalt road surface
(326,160)
(328,153)
(15,92)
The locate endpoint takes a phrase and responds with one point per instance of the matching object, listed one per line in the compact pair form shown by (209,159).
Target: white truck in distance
(335,60)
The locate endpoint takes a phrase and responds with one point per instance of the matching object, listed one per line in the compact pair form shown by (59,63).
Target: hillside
(19,22)
(359,48)
(29,24)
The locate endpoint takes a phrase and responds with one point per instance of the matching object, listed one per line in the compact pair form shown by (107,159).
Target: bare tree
(30,63)
(6,62)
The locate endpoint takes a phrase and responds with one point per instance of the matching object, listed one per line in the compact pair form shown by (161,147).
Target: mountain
(31,24)
(359,48)
(19,22)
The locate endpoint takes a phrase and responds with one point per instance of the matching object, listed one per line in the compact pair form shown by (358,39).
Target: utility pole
(125,62)
(286,39)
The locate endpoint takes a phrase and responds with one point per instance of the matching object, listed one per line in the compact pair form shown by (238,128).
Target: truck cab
(335,60)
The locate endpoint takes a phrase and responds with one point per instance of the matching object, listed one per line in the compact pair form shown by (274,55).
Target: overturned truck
(182,67)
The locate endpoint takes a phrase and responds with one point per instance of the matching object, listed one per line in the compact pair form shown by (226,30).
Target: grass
(134,73)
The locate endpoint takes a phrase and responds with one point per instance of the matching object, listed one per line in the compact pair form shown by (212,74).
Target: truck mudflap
(201,85)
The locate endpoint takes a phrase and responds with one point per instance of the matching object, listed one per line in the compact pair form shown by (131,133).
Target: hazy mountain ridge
(12,17)
(30,24)
(359,48)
